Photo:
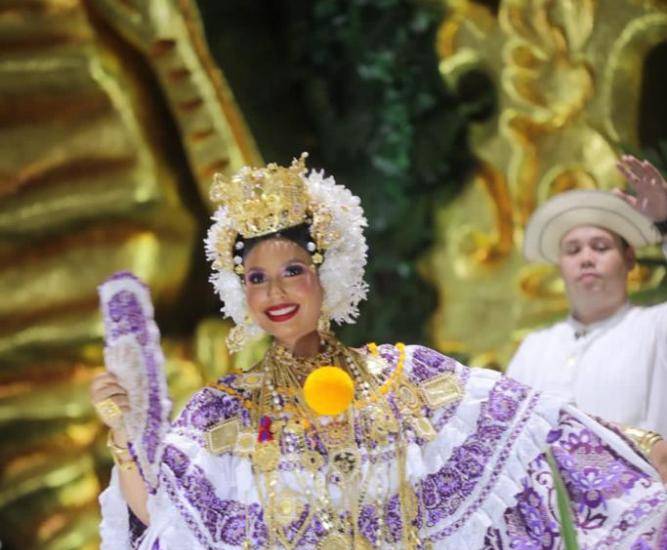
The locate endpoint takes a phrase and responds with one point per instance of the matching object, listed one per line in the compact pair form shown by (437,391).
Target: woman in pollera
(328,447)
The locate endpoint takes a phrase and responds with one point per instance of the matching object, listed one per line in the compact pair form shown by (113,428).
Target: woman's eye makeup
(294,269)
(255,277)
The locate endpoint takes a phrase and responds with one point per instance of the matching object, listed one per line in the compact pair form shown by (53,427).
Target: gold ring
(108,410)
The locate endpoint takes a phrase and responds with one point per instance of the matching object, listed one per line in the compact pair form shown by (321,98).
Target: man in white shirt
(608,357)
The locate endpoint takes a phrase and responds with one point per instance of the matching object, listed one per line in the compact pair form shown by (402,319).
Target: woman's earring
(236,338)
(324,324)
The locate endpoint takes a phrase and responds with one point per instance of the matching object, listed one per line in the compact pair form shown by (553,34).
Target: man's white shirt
(615,369)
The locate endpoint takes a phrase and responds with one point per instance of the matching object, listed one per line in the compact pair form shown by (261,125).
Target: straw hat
(551,222)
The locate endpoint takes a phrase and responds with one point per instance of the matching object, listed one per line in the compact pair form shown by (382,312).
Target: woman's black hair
(298,234)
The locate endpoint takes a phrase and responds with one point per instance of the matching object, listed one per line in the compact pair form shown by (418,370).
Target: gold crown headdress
(260,201)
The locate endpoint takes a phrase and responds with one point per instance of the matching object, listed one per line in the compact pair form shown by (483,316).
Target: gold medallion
(245,443)
(221,438)
(346,461)
(286,508)
(335,434)
(335,541)
(266,456)
(441,390)
(311,460)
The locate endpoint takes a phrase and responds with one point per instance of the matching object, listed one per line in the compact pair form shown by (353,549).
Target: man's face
(594,264)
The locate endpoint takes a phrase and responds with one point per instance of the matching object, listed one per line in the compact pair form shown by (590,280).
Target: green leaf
(567,530)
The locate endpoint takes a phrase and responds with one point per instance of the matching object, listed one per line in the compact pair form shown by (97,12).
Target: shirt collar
(580,329)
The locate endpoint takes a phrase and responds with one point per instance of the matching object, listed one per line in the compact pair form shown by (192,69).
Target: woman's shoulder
(229,397)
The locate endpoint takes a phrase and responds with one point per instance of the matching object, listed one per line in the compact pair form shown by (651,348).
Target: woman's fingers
(108,392)
(123,402)
(103,379)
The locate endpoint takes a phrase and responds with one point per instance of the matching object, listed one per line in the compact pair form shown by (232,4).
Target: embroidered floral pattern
(224,520)
(530,524)
(445,491)
(593,472)
(427,363)
(597,479)
(137,529)
(632,517)
(208,407)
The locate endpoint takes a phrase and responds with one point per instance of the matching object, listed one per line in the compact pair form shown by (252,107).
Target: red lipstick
(281,312)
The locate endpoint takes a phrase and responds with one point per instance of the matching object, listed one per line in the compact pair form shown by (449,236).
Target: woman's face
(283,290)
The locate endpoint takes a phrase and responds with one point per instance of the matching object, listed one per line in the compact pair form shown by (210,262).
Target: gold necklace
(282,411)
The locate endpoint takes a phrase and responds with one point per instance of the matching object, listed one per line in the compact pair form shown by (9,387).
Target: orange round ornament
(328,390)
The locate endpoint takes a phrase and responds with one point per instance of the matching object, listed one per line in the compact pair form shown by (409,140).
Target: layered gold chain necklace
(308,468)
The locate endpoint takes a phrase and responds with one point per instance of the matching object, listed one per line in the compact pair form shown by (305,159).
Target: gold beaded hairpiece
(261,201)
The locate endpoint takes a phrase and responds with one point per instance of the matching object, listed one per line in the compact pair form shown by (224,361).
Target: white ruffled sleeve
(115,525)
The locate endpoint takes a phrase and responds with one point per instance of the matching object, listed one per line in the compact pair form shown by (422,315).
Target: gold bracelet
(644,439)
(121,455)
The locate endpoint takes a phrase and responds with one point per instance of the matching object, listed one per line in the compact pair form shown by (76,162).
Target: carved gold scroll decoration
(568,76)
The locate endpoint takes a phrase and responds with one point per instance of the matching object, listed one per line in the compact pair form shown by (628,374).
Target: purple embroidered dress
(482,482)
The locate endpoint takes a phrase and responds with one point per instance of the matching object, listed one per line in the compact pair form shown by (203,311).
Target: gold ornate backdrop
(569,77)
(113,119)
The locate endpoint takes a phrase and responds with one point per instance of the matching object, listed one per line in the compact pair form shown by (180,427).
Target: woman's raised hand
(650,187)
(110,400)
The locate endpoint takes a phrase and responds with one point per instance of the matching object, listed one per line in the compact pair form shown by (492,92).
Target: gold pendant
(423,428)
(441,390)
(377,425)
(346,462)
(408,397)
(286,508)
(222,437)
(245,443)
(335,541)
(311,460)
(335,434)
(266,456)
